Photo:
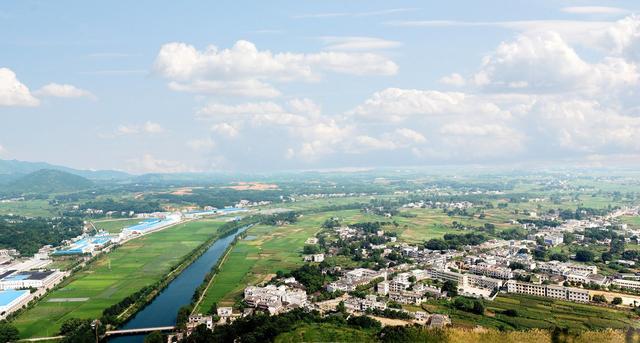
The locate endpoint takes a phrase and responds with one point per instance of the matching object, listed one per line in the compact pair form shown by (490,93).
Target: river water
(163,310)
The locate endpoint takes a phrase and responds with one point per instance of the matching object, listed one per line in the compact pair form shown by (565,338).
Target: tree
(436,244)
(311,249)
(617,245)
(568,237)
(183,316)
(517,265)
(617,301)
(599,298)
(584,256)
(558,257)
(154,337)
(341,308)
(451,287)
(214,308)
(606,256)
(8,333)
(364,322)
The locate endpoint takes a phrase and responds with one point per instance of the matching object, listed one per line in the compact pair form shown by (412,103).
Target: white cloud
(410,135)
(225,129)
(151,127)
(454,79)
(623,38)
(2,150)
(586,126)
(546,63)
(204,144)
(63,91)
(594,10)
(395,104)
(13,92)
(149,164)
(304,106)
(244,70)
(148,127)
(355,43)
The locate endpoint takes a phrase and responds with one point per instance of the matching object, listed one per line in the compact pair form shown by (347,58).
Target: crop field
(28,208)
(114,276)
(268,250)
(534,312)
(115,225)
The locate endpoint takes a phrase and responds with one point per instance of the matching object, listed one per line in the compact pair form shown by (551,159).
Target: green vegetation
(27,235)
(46,181)
(325,333)
(533,312)
(113,277)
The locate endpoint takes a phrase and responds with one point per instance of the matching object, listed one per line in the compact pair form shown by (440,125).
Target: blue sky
(149,86)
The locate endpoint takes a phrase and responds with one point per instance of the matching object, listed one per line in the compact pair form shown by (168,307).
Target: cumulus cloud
(245,70)
(623,38)
(63,91)
(395,104)
(546,63)
(13,92)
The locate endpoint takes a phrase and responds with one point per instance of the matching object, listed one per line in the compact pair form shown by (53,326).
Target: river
(163,310)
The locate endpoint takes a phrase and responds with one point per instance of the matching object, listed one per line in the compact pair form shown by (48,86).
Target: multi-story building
(624,283)
(491,271)
(548,291)
(446,275)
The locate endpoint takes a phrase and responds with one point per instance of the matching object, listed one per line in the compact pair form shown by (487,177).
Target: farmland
(114,276)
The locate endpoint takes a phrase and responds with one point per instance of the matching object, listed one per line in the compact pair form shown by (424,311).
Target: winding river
(163,310)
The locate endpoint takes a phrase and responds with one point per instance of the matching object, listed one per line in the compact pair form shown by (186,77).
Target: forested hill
(49,181)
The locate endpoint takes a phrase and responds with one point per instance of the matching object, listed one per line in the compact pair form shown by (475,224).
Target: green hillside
(49,181)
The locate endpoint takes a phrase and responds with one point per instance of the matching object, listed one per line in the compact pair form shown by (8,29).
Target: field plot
(114,276)
(29,208)
(534,312)
(434,223)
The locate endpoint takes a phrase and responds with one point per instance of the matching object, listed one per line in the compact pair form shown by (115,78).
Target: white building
(548,291)
(624,283)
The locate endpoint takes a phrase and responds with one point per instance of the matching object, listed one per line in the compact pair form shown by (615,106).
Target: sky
(200,86)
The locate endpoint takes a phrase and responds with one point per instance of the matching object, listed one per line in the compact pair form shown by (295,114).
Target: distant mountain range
(12,170)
